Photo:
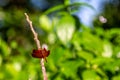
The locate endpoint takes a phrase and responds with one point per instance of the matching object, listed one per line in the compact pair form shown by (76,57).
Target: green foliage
(74,7)
(77,52)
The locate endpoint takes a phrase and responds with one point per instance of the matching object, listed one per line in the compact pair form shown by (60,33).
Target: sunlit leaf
(107,50)
(65,29)
(51,38)
(45,23)
(13,73)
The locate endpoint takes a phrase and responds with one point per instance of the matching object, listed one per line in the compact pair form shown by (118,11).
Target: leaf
(51,38)
(4,48)
(85,55)
(101,72)
(69,68)
(12,70)
(55,8)
(2,75)
(112,66)
(88,42)
(57,54)
(45,23)
(13,44)
(65,29)
(90,75)
(61,6)
(91,43)
(101,60)
(107,52)
(116,77)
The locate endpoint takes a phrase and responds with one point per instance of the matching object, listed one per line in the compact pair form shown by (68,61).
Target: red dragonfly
(41,53)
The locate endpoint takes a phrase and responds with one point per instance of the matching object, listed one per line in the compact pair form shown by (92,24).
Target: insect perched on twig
(41,53)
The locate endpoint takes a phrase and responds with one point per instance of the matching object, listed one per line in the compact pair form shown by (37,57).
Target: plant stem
(38,46)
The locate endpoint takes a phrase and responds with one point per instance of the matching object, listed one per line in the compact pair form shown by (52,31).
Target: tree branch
(38,46)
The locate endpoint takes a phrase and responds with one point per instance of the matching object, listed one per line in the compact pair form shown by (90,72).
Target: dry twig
(38,46)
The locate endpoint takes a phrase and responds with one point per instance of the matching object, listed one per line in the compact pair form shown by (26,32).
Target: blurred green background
(77,51)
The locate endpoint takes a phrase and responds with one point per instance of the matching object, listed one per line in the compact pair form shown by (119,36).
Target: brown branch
(38,46)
